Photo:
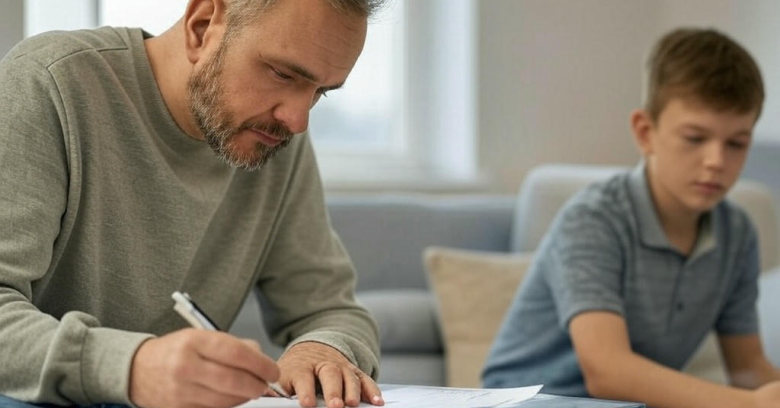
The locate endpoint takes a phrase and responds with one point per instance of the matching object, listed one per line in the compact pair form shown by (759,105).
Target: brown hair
(707,66)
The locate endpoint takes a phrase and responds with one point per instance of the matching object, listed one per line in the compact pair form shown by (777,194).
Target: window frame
(436,148)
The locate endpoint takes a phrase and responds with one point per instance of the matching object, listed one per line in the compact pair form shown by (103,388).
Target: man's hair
(240,13)
(704,65)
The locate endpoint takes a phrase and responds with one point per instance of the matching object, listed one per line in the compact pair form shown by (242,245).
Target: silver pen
(198,319)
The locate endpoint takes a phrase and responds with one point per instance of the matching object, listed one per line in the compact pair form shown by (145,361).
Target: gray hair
(239,13)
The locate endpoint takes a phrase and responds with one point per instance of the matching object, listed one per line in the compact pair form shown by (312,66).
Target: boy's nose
(715,156)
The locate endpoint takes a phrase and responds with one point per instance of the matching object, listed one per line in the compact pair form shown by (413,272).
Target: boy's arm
(612,370)
(746,362)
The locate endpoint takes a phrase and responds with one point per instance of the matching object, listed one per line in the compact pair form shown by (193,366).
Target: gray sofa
(386,235)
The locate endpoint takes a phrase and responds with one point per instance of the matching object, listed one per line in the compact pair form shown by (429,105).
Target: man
(111,198)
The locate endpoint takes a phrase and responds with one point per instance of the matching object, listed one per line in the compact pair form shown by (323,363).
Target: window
(379,129)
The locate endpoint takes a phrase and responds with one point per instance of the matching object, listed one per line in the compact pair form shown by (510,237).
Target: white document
(413,396)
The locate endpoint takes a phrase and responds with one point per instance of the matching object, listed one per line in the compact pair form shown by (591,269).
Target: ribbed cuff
(106,359)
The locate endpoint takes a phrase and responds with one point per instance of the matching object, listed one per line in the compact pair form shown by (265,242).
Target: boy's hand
(199,368)
(342,383)
(768,395)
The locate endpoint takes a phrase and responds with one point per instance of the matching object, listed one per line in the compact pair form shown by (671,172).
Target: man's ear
(643,127)
(204,27)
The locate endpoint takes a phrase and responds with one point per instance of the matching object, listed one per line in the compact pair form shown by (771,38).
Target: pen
(198,319)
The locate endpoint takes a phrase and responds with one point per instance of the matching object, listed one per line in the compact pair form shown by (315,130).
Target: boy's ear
(643,128)
(204,26)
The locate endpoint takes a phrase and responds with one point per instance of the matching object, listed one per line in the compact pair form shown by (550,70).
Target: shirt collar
(650,231)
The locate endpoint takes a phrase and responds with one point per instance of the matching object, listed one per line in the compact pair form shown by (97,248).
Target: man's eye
(280,74)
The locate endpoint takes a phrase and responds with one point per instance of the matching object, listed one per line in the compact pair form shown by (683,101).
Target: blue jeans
(6,402)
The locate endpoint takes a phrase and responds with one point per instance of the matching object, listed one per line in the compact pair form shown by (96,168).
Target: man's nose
(294,113)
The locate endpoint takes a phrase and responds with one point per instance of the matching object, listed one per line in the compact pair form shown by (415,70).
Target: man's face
(695,154)
(255,91)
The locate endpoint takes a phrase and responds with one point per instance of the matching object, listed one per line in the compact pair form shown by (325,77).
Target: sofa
(387,234)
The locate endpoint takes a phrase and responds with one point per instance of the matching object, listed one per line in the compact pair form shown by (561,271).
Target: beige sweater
(106,207)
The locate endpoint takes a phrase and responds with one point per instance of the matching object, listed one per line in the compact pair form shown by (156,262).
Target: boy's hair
(707,66)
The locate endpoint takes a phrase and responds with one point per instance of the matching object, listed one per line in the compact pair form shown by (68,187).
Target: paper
(274,402)
(413,396)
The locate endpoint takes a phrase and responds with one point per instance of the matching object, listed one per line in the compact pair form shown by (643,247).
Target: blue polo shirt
(606,250)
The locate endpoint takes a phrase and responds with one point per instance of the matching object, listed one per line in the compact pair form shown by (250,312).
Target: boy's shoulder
(602,207)
(610,197)
(735,218)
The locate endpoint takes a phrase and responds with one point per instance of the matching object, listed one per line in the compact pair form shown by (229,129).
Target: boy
(635,271)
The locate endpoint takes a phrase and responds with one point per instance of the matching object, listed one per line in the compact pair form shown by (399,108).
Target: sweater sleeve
(307,283)
(63,359)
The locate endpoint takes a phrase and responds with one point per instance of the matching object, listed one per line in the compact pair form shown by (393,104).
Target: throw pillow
(473,290)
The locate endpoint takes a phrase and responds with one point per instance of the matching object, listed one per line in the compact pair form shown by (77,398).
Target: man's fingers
(225,349)
(303,387)
(252,344)
(370,391)
(352,386)
(332,382)
(228,380)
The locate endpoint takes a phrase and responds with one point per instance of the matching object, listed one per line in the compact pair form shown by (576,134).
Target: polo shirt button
(680,306)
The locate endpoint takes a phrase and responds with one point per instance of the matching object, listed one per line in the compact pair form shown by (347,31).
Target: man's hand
(768,396)
(306,363)
(199,368)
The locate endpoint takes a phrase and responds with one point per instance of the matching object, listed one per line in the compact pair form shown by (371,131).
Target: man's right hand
(768,395)
(199,368)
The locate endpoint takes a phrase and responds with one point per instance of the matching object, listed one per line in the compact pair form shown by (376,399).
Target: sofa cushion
(406,319)
(473,290)
(412,368)
(768,305)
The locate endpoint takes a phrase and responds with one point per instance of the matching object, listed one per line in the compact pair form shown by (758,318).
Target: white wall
(756,25)
(41,16)
(558,78)
(11,24)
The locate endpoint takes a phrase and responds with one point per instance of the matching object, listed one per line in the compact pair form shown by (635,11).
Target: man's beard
(206,103)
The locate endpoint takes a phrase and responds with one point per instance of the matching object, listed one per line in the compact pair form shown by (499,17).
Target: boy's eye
(694,139)
(736,144)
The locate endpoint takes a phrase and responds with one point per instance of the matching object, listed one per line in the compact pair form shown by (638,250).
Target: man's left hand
(342,383)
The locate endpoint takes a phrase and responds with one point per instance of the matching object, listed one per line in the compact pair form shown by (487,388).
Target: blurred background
(462,96)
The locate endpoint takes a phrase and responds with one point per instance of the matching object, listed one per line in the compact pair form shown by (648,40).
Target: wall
(557,79)
(755,24)
(11,24)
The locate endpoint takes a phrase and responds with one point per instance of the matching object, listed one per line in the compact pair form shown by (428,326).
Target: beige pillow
(473,290)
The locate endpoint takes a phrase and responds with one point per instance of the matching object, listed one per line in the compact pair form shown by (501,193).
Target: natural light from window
(363,116)
(386,125)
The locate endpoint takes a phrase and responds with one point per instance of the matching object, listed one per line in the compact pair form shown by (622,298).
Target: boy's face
(694,154)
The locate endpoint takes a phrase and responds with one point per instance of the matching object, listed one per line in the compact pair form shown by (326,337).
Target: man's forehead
(310,38)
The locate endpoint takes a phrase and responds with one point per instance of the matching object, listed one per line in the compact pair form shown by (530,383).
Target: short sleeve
(584,263)
(739,314)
